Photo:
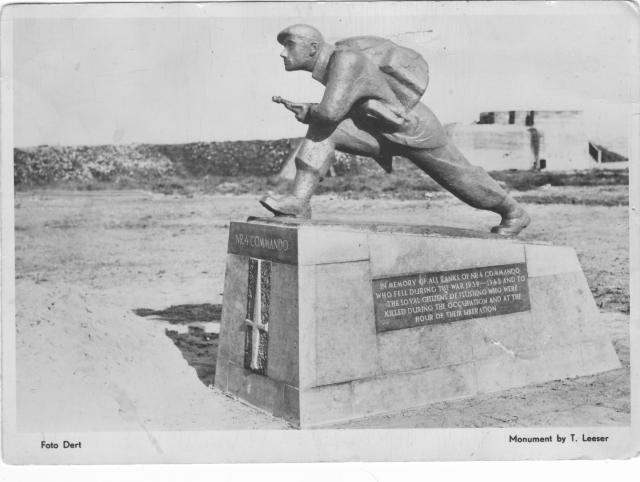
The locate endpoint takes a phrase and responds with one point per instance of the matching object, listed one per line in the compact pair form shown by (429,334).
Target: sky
(103,74)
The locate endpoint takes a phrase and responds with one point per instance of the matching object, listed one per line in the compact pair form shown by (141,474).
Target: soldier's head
(301,46)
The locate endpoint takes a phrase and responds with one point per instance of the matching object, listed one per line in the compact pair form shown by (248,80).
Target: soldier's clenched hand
(300,109)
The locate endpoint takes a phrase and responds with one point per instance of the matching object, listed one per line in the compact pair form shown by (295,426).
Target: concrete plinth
(325,322)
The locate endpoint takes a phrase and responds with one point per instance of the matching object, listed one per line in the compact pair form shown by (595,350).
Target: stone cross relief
(257,319)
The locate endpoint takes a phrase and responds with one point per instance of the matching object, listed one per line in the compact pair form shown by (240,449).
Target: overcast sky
(182,73)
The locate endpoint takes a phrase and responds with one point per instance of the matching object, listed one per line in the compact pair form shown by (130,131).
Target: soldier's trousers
(437,156)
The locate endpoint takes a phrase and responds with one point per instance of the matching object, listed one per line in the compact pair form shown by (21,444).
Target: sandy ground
(87,262)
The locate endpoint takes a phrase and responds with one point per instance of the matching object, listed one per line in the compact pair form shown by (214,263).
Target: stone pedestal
(325,322)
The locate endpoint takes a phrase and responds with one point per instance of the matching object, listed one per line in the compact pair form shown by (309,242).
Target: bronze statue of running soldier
(371,107)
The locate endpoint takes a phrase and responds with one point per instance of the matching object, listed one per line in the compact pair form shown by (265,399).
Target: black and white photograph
(306,231)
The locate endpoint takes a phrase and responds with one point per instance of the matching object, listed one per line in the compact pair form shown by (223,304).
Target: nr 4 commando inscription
(272,243)
(446,296)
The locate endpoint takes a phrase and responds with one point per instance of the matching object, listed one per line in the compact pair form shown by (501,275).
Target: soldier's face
(298,53)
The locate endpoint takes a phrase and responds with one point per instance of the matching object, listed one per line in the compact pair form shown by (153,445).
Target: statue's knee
(315,156)
(302,165)
(321,132)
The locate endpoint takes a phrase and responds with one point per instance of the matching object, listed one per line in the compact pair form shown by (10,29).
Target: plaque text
(445,296)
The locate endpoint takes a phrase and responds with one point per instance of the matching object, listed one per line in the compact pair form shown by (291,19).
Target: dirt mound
(86,363)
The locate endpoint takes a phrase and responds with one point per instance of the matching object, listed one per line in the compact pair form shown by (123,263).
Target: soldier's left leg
(471,184)
(439,158)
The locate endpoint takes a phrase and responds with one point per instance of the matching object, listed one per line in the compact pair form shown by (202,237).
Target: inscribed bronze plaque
(445,296)
(273,243)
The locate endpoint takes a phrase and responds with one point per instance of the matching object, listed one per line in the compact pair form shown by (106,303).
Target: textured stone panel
(345,326)
(256,389)
(323,405)
(508,371)
(556,363)
(321,245)
(258,340)
(291,404)
(512,333)
(222,374)
(403,254)
(548,260)
(564,310)
(232,326)
(412,389)
(425,347)
(599,356)
(257,317)
(265,290)
(307,308)
(504,372)
(283,324)
(252,287)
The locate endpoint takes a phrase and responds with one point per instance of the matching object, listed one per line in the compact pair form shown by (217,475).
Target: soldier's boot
(514,218)
(297,203)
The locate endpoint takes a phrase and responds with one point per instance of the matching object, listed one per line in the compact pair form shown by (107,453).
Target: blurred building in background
(534,139)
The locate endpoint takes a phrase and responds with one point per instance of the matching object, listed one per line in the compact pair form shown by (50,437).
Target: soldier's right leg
(314,158)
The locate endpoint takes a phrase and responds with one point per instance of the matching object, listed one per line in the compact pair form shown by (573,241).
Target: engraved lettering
(426,298)
(264,242)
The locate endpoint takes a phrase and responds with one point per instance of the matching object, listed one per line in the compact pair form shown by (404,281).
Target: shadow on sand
(198,347)
(184,314)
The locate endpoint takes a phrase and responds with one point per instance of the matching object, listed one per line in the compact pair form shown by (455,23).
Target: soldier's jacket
(357,88)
